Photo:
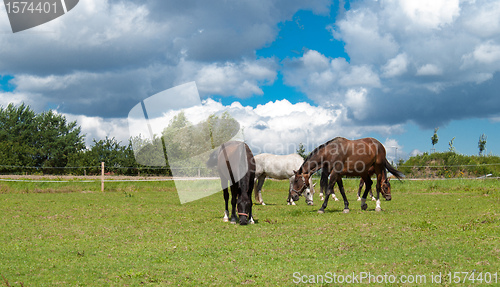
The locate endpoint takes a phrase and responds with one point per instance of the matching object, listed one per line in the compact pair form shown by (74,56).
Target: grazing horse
(236,165)
(342,157)
(278,167)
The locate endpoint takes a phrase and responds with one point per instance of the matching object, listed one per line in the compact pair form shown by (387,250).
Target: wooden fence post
(102,176)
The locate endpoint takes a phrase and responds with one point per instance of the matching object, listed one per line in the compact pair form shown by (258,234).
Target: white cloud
(395,66)
(239,79)
(487,53)
(413,58)
(394,151)
(366,41)
(97,128)
(357,102)
(104,56)
(275,127)
(429,70)
(327,80)
(431,13)
(483,19)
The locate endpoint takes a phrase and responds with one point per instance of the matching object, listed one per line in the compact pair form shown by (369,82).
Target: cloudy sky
(290,71)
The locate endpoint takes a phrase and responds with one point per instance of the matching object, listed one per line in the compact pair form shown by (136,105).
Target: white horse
(279,167)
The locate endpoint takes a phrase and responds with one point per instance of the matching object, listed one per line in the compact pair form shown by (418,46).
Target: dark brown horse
(342,157)
(236,165)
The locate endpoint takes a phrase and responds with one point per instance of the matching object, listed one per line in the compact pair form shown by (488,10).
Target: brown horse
(342,157)
(236,165)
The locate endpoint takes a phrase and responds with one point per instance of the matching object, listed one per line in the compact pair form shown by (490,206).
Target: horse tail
(392,170)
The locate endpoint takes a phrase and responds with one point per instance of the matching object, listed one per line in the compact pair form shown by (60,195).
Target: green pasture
(137,233)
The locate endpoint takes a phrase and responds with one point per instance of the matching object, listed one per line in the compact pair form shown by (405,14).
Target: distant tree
(37,140)
(183,139)
(57,140)
(117,158)
(482,144)
(435,138)
(451,147)
(301,150)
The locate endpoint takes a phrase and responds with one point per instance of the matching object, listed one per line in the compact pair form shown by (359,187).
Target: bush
(450,165)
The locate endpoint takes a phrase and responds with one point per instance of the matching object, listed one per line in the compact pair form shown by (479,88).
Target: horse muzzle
(243,218)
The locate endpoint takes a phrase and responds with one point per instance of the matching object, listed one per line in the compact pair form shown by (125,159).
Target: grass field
(71,234)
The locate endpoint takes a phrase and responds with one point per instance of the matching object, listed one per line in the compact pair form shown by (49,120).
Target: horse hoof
(373,199)
(263,203)
(346,211)
(359,198)
(321,211)
(225,220)
(336,199)
(364,206)
(293,203)
(378,209)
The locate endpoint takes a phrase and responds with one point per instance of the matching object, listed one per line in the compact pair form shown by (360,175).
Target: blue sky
(289,71)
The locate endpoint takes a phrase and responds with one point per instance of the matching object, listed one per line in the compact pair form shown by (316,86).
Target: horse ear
(294,171)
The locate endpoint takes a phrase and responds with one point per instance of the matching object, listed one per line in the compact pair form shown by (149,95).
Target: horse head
(308,194)
(244,207)
(299,184)
(386,189)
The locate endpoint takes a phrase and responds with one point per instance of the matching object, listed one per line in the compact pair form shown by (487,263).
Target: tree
(482,144)
(451,148)
(301,151)
(117,158)
(435,138)
(37,140)
(56,140)
(182,144)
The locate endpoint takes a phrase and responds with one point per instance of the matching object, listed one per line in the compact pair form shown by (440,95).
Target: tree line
(46,143)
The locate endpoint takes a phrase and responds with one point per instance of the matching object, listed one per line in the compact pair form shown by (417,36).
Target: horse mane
(317,149)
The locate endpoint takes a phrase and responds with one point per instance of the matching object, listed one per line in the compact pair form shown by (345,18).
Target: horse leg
(361,183)
(333,180)
(368,183)
(342,192)
(258,188)
(250,189)
(371,194)
(323,182)
(334,197)
(309,193)
(290,201)
(226,211)
(379,187)
(234,198)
